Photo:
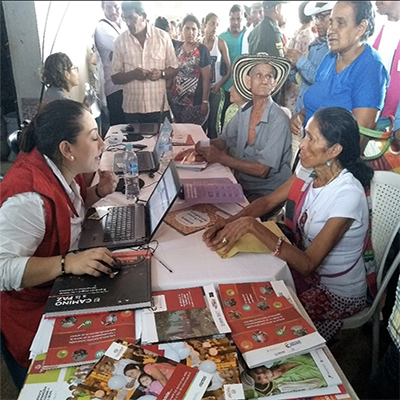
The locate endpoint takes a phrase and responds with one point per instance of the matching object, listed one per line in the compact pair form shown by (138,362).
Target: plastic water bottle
(165,146)
(131,173)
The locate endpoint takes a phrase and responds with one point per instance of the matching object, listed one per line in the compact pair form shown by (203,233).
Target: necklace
(304,216)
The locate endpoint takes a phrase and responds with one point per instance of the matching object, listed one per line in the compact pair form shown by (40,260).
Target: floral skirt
(327,309)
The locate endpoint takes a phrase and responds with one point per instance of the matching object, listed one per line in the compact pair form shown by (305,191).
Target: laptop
(135,130)
(133,225)
(148,161)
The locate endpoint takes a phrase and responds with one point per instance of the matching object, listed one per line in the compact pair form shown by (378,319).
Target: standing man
(233,37)
(144,58)
(304,67)
(267,36)
(387,44)
(107,30)
(256,16)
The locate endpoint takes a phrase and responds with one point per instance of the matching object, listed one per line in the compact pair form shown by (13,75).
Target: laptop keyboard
(145,161)
(120,224)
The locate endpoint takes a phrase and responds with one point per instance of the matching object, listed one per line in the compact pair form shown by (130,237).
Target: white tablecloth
(192,263)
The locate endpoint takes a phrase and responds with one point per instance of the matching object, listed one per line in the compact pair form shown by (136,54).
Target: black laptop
(132,225)
(148,161)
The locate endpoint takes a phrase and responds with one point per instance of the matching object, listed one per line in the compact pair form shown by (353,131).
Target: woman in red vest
(328,214)
(43,202)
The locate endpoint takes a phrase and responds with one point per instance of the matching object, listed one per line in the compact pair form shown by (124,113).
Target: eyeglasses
(75,67)
(321,16)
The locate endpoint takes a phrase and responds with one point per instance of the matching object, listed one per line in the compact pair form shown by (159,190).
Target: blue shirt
(362,84)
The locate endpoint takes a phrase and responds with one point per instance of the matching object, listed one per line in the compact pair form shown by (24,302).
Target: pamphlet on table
(211,191)
(83,294)
(265,326)
(83,339)
(190,159)
(194,218)
(114,375)
(182,314)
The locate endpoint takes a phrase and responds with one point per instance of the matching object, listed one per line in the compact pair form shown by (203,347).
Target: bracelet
(278,247)
(96,190)
(205,101)
(63,264)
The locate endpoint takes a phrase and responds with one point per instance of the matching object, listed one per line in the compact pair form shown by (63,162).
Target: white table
(192,263)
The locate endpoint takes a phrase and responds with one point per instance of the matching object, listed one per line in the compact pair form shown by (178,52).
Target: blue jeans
(385,380)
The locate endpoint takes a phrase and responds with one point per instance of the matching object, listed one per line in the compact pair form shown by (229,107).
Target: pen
(167,268)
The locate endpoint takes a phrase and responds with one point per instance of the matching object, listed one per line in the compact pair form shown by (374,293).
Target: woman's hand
(227,235)
(90,262)
(108,181)
(296,124)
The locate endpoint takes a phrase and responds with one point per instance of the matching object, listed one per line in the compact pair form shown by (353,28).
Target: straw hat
(245,63)
(316,7)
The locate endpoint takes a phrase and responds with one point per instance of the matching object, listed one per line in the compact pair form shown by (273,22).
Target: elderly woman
(260,131)
(191,87)
(328,213)
(41,220)
(352,74)
(60,76)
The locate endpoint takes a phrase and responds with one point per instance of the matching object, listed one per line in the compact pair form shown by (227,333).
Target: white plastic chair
(385,202)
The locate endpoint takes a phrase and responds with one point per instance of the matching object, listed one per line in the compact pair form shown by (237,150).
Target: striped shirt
(144,97)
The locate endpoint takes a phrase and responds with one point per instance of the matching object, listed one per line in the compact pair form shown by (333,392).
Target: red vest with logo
(22,310)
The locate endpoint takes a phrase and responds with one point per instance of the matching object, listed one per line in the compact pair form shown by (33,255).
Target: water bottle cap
(128,146)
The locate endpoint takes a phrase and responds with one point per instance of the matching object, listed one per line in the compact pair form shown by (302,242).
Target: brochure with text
(83,294)
(82,339)
(127,371)
(182,314)
(194,218)
(265,326)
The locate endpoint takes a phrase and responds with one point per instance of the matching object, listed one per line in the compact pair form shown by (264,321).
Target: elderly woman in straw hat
(260,131)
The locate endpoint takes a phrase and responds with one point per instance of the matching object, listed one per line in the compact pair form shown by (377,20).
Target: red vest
(393,93)
(22,310)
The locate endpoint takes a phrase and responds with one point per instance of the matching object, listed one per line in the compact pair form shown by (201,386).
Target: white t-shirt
(344,197)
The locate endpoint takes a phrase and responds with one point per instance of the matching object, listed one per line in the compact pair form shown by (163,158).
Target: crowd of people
(254,92)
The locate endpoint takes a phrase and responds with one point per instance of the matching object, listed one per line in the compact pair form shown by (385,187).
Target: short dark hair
(191,18)
(57,121)
(364,10)
(339,126)
(236,8)
(136,6)
(162,23)
(304,19)
(53,71)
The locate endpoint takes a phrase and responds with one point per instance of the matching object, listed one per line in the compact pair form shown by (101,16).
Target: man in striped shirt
(144,58)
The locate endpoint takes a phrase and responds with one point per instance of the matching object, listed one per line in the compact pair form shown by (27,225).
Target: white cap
(316,7)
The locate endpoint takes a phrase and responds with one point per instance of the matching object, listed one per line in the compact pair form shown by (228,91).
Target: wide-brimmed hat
(244,64)
(316,7)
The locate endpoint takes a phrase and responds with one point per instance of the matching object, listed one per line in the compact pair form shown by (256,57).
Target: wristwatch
(205,101)
(162,74)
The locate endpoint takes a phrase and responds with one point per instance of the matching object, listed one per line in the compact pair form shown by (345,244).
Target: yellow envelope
(250,244)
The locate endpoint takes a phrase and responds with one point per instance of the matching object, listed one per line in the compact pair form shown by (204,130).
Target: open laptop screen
(163,196)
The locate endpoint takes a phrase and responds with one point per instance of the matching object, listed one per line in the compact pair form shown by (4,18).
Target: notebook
(148,161)
(133,225)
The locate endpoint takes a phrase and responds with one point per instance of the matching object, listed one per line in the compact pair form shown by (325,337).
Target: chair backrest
(385,202)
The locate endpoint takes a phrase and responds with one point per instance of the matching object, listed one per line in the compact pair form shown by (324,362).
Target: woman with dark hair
(60,76)
(41,218)
(327,212)
(352,74)
(191,87)
(219,52)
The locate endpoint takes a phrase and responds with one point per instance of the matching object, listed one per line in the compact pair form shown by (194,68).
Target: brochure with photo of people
(266,326)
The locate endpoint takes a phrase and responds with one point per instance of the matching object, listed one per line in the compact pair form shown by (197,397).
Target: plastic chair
(385,201)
